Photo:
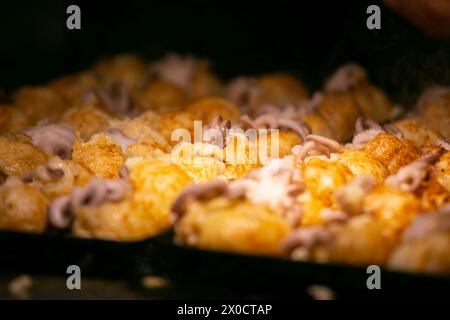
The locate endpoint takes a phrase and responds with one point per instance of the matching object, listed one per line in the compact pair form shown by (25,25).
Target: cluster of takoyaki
(127,149)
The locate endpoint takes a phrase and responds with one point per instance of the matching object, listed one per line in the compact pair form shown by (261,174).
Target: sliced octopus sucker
(299,127)
(428,223)
(266,120)
(116,98)
(409,177)
(117,189)
(219,128)
(248,122)
(60,213)
(243,90)
(46,173)
(361,139)
(90,195)
(121,138)
(305,237)
(444,144)
(175,69)
(362,124)
(394,130)
(96,192)
(203,191)
(346,78)
(54,138)
(332,144)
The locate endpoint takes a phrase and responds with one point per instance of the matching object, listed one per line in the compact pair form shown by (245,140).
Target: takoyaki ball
(442,171)
(208,108)
(101,154)
(318,124)
(281,89)
(391,151)
(392,209)
(142,132)
(340,111)
(372,102)
(86,120)
(241,155)
(360,241)
(168,122)
(73,88)
(425,245)
(286,141)
(191,75)
(419,135)
(128,70)
(434,111)
(204,83)
(360,163)
(13,119)
(156,183)
(18,155)
(58,177)
(322,177)
(127,220)
(431,192)
(201,161)
(160,96)
(311,210)
(39,103)
(22,207)
(232,225)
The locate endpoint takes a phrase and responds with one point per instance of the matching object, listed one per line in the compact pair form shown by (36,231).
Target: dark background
(307,38)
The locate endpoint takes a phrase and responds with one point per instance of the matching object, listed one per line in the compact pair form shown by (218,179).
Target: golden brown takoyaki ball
(39,103)
(427,254)
(208,108)
(419,135)
(442,170)
(73,88)
(146,213)
(142,132)
(204,84)
(391,151)
(156,183)
(287,140)
(318,124)
(392,209)
(235,226)
(435,113)
(58,177)
(127,220)
(160,96)
(128,70)
(340,111)
(431,193)
(360,163)
(241,156)
(18,155)
(281,89)
(360,241)
(311,208)
(323,177)
(374,103)
(201,161)
(101,154)
(13,119)
(86,120)
(166,123)
(22,207)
